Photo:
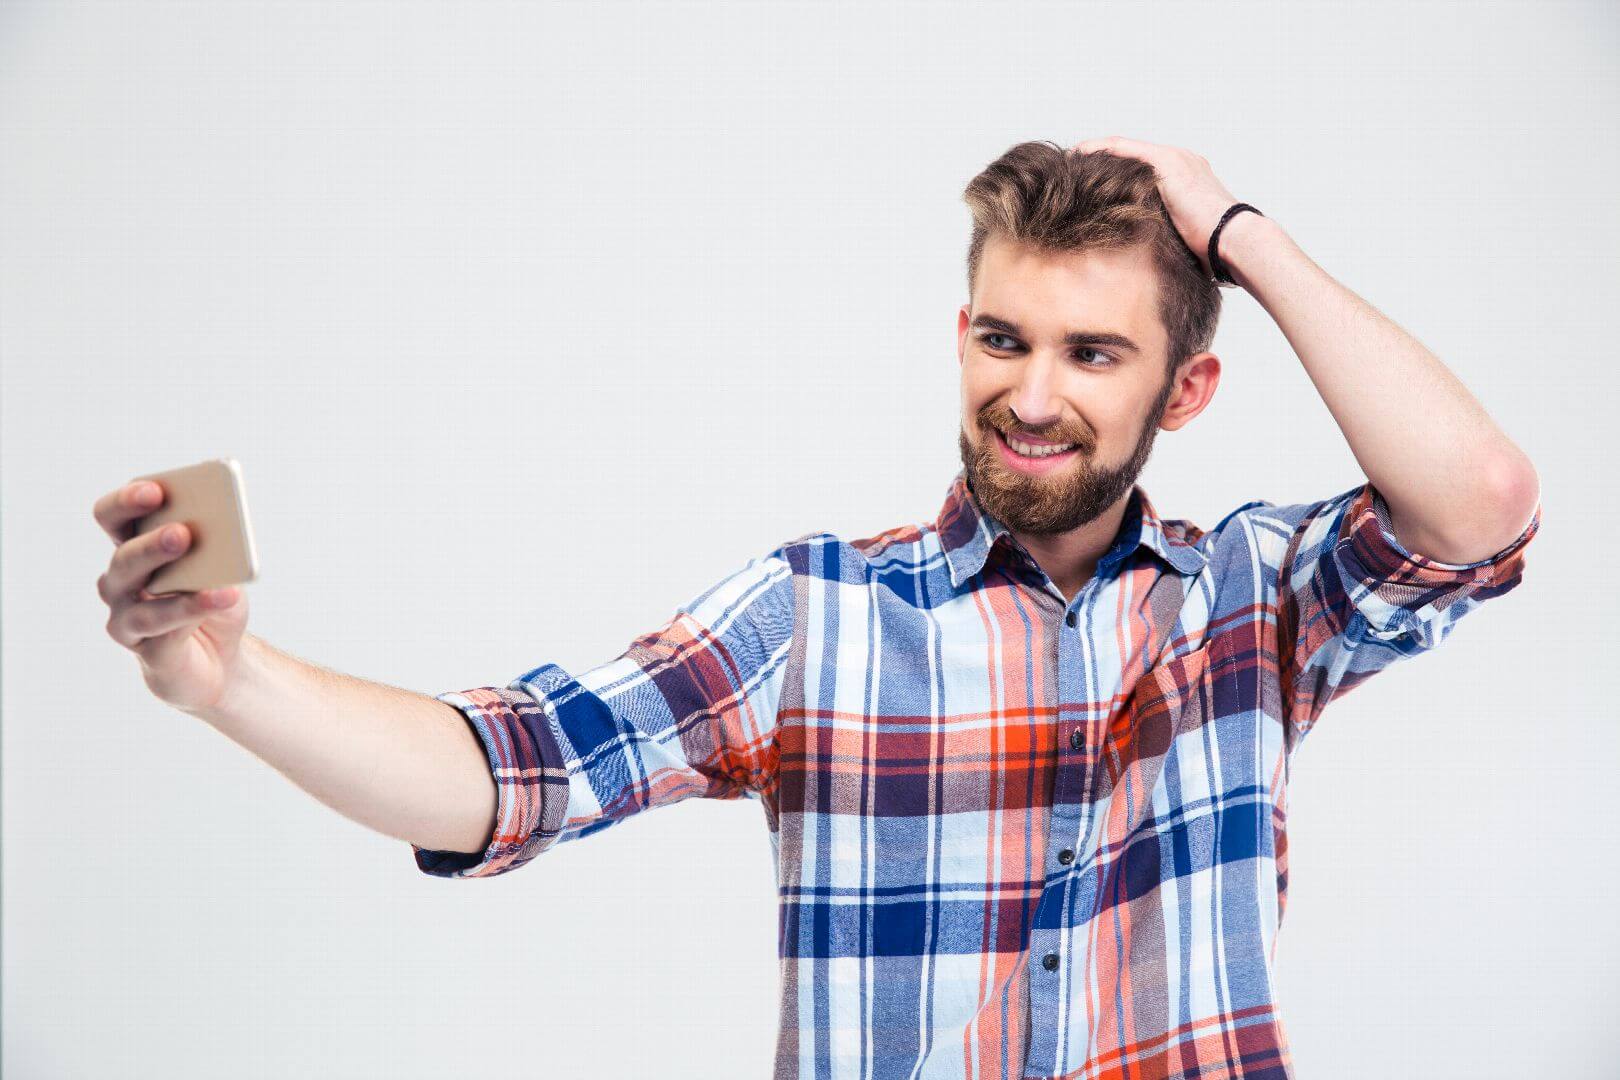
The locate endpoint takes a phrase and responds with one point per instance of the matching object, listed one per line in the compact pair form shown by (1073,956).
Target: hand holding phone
(191,639)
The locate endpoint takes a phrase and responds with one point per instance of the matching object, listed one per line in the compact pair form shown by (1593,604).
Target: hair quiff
(1040,194)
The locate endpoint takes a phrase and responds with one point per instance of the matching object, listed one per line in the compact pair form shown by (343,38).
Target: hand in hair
(1192,195)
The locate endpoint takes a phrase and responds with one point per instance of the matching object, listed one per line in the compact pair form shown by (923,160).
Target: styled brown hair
(1038,193)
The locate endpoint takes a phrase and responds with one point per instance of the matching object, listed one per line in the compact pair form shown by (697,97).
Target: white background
(529,322)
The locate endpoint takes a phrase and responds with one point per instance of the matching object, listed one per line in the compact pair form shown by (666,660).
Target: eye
(1102,359)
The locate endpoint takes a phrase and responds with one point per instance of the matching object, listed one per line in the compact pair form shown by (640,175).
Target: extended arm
(402,763)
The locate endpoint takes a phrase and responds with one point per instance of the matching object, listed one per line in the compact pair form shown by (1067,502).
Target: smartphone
(210,500)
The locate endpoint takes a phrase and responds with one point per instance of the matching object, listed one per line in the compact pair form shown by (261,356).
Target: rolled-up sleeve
(1351,599)
(687,710)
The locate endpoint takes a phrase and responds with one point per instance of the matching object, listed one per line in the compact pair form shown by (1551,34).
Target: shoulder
(828,556)
(1266,530)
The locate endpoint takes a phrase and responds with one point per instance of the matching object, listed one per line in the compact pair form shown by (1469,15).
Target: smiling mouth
(1002,438)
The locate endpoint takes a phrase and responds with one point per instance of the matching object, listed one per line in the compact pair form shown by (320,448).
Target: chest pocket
(1175,697)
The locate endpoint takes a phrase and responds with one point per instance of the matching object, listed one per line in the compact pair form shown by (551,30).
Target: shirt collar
(967,533)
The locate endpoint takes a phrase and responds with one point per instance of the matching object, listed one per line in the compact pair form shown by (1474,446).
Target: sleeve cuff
(1399,591)
(530,783)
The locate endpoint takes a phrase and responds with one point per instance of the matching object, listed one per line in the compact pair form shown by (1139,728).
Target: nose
(1034,401)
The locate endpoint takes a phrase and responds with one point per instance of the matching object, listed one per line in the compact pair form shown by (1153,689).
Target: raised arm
(1457,488)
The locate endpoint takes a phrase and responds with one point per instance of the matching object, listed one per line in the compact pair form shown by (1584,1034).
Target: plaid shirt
(1015,836)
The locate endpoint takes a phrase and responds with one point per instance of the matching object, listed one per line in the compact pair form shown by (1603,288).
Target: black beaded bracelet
(1216,267)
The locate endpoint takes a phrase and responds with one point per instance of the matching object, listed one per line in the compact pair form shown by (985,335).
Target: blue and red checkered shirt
(1015,836)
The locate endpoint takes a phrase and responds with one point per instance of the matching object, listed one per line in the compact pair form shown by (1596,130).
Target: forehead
(1053,292)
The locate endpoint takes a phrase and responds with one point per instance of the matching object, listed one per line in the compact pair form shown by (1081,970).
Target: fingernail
(171,538)
(146,493)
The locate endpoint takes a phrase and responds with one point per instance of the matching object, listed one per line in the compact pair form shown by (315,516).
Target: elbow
(1517,486)
(1517,495)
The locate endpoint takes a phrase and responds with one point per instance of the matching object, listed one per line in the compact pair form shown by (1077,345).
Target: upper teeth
(1036,451)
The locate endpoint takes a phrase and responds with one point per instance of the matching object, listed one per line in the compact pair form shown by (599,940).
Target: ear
(963,317)
(1196,380)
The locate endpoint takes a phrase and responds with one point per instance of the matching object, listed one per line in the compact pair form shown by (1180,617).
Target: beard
(1065,500)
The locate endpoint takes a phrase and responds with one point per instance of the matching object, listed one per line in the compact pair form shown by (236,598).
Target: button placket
(1070,687)
(1067,821)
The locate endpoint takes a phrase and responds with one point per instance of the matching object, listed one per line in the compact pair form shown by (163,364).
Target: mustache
(1079,441)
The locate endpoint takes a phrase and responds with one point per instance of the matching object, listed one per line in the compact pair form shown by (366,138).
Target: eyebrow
(1073,337)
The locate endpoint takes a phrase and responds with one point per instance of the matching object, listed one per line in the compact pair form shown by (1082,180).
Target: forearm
(1458,488)
(402,763)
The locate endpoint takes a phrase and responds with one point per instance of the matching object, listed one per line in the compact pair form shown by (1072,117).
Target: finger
(117,511)
(161,652)
(1102,142)
(134,562)
(1118,144)
(132,624)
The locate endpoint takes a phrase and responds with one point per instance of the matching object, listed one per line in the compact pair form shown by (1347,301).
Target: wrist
(241,684)
(1246,242)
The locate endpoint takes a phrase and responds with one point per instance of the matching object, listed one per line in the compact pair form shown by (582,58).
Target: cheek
(1116,417)
(974,396)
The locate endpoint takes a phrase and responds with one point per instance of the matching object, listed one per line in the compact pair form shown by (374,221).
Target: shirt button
(1077,739)
(1050,961)
(1065,856)
(1069,618)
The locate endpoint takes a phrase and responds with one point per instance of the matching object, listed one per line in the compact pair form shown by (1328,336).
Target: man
(1024,765)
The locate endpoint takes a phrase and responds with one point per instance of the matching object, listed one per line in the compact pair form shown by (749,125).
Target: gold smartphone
(211,501)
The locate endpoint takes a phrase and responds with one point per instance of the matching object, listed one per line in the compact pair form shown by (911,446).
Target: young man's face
(1103,396)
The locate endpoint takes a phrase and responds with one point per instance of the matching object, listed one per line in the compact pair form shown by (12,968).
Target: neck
(1070,559)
